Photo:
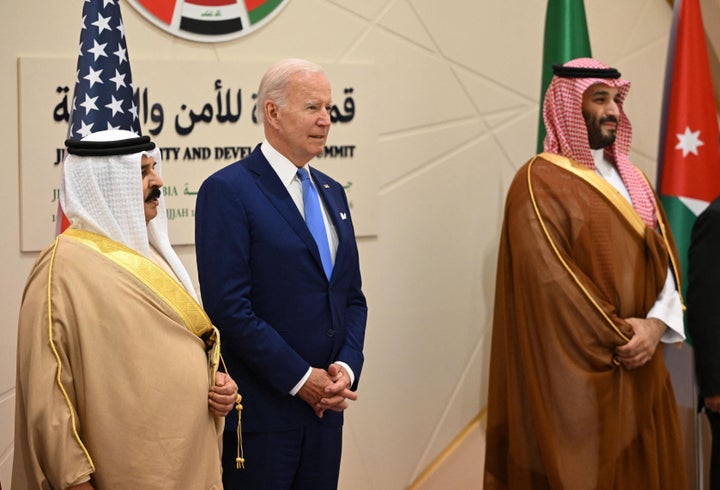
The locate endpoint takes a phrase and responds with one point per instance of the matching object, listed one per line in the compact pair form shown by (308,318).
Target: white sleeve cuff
(349,371)
(302,381)
(668,309)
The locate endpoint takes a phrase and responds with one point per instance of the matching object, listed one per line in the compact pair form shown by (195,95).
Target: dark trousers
(714,419)
(306,458)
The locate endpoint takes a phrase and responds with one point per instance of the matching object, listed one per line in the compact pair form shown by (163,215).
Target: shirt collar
(283,167)
(600,161)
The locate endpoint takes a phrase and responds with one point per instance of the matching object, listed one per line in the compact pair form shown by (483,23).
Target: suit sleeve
(703,299)
(222,240)
(355,317)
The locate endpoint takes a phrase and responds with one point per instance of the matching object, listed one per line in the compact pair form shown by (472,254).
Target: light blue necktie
(314,219)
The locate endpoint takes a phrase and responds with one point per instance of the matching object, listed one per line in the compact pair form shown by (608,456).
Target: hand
(314,389)
(712,403)
(339,391)
(641,347)
(222,395)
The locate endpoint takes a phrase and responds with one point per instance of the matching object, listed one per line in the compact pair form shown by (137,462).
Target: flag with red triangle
(688,169)
(689,160)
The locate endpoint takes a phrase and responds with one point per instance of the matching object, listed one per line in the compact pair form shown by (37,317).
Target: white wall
(458,110)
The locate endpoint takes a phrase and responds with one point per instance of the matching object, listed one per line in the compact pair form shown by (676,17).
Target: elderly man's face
(152,183)
(601,110)
(303,122)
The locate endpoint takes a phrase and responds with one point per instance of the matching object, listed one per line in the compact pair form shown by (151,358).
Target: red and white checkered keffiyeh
(567,133)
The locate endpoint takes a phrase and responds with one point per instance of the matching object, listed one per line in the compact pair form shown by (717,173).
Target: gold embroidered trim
(602,185)
(557,252)
(58,378)
(152,276)
(168,290)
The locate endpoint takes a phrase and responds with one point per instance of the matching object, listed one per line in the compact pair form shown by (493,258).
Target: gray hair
(273,85)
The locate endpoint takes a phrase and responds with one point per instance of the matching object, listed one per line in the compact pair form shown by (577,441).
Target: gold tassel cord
(240,459)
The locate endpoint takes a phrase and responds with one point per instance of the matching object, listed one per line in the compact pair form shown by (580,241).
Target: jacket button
(330,332)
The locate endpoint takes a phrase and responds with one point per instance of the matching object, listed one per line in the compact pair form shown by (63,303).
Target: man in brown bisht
(117,369)
(586,290)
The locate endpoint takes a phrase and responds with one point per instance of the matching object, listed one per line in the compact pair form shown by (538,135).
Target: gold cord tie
(240,459)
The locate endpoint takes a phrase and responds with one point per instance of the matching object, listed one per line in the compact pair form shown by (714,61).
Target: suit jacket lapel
(270,184)
(329,198)
(336,209)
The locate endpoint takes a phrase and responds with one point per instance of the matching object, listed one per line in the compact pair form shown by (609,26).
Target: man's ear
(271,113)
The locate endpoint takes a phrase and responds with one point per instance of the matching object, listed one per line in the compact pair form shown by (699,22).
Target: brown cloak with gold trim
(561,414)
(110,380)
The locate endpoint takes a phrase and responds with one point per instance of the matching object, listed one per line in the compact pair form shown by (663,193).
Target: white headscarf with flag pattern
(567,132)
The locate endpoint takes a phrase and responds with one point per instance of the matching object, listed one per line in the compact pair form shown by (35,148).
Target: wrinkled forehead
(309,86)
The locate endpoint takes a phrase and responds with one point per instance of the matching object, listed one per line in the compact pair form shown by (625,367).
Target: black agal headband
(582,72)
(107,148)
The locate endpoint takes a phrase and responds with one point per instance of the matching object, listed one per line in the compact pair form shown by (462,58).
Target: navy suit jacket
(703,299)
(263,286)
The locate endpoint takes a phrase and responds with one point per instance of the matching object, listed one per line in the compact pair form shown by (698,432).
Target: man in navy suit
(289,306)
(703,321)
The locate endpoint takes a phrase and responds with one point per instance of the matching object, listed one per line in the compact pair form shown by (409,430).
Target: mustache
(154,194)
(609,119)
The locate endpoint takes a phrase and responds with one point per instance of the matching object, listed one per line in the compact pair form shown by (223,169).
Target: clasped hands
(641,347)
(327,390)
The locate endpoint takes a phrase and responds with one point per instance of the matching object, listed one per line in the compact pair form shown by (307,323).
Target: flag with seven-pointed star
(689,161)
(103,97)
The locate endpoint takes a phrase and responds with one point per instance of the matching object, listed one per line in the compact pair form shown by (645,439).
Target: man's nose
(613,109)
(155,179)
(324,119)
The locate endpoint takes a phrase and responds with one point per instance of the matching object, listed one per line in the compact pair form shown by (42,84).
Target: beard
(596,136)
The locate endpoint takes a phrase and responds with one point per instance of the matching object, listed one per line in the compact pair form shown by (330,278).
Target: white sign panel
(201,115)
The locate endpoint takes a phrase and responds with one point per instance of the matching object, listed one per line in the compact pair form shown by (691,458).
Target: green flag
(566,38)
